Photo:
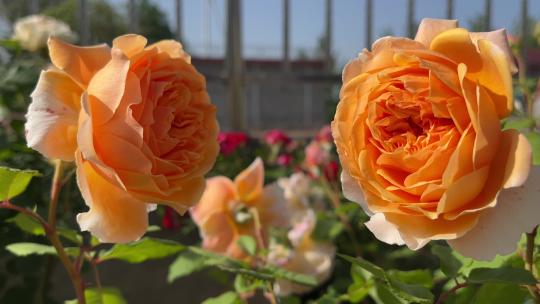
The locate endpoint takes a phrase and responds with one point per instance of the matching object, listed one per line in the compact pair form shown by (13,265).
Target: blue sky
(262,22)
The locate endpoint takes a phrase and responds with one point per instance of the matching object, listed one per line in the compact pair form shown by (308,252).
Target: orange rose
(138,122)
(226,209)
(418,134)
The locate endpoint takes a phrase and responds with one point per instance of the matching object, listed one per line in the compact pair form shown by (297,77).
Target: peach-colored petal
(249,183)
(173,48)
(217,232)
(107,87)
(518,164)
(383,230)
(114,216)
(51,121)
(457,45)
(81,63)
(219,191)
(500,39)
(500,228)
(429,28)
(353,192)
(130,44)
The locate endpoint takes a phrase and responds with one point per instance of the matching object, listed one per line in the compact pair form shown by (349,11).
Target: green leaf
(497,293)
(24,249)
(10,44)
(186,263)
(503,274)
(422,277)
(70,235)
(294,277)
(518,123)
(449,263)
(226,298)
(534,140)
(248,244)
(375,270)
(27,224)
(13,181)
(243,284)
(385,296)
(326,228)
(408,292)
(142,250)
(104,295)
(358,291)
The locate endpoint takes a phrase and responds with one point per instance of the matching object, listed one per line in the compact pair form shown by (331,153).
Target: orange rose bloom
(418,133)
(225,211)
(138,122)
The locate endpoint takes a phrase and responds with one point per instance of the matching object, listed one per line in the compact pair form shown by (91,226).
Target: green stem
(529,263)
(55,192)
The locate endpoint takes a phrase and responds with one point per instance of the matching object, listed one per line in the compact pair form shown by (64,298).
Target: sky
(262,22)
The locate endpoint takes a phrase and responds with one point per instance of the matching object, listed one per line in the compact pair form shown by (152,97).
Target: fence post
(133,16)
(234,65)
(449,9)
(369,23)
(178,11)
(328,36)
(286,56)
(487,15)
(84,22)
(410,18)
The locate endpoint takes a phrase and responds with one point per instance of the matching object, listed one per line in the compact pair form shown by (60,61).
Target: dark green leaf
(248,244)
(497,293)
(70,235)
(534,140)
(24,249)
(420,277)
(226,298)
(27,224)
(142,250)
(413,293)
(186,263)
(503,274)
(449,263)
(291,276)
(375,270)
(386,296)
(13,181)
(326,228)
(105,295)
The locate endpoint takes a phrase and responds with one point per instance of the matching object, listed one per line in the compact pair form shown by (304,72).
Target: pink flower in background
(325,135)
(230,141)
(276,137)
(284,160)
(316,154)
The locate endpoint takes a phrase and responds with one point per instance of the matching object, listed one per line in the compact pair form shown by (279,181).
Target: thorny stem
(258,228)
(334,199)
(51,233)
(452,290)
(96,275)
(270,295)
(529,263)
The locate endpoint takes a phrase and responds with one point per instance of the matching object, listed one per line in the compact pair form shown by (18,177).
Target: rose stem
(334,199)
(452,290)
(529,262)
(73,273)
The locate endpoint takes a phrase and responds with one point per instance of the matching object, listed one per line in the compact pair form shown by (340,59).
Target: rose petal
(219,191)
(173,48)
(81,63)
(457,45)
(353,192)
(500,39)
(130,44)
(499,229)
(114,216)
(429,28)
(383,230)
(51,121)
(249,183)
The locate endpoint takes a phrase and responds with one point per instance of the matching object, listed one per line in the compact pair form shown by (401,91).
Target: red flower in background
(276,137)
(230,141)
(284,160)
(170,220)
(331,171)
